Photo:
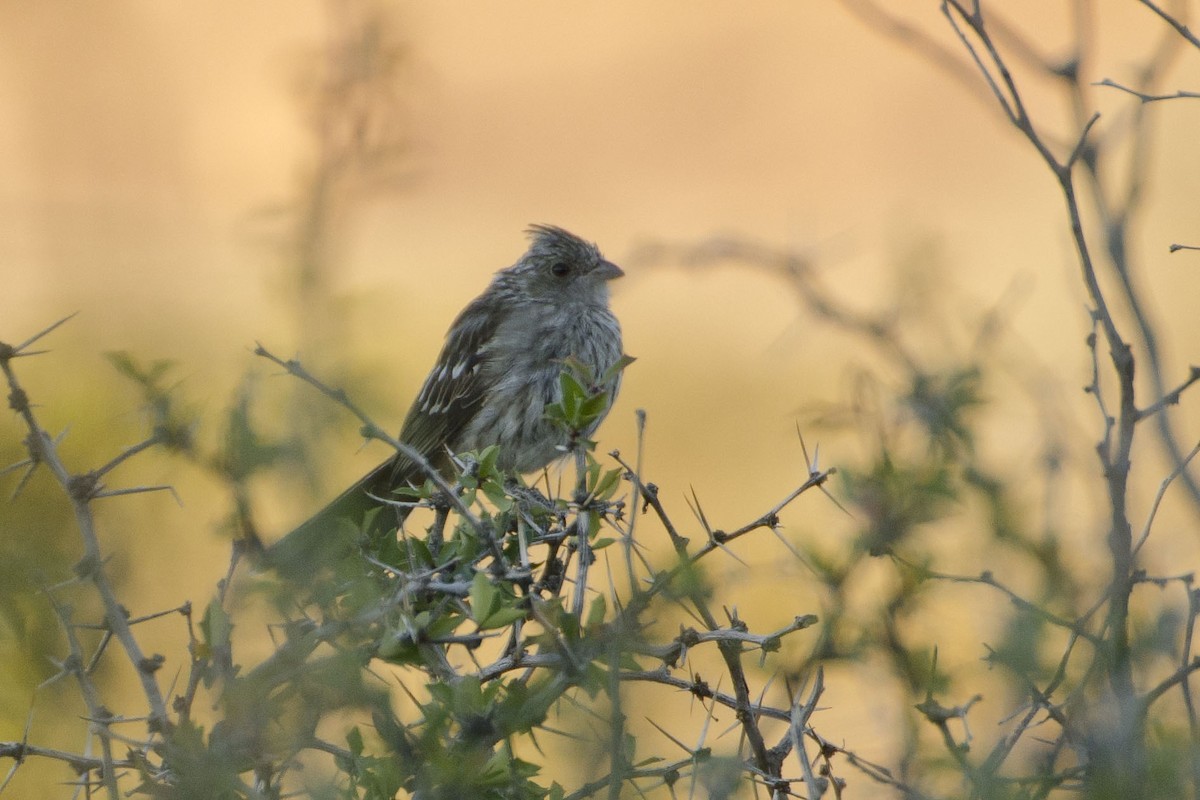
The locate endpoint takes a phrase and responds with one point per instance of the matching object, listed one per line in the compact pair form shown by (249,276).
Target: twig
(703,691)
(800,716)
(1179,27)
(1168,683)
(99,716)
(19,751)
(1148,98)
(1185,685)
(44,450)
(1171,398)
(583,545)
(373,431)
(1158,496)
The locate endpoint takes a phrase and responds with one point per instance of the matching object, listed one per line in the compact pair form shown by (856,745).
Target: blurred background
(336,180)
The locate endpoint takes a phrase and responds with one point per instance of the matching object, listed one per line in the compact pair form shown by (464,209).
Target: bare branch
(1148,98)
(44,450)
(21,349)
(1158,496)
(1180,28)
(799,723)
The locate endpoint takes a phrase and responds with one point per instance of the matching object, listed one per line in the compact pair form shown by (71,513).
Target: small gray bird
(497,372)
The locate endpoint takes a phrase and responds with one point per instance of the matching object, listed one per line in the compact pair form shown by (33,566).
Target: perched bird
(497,372)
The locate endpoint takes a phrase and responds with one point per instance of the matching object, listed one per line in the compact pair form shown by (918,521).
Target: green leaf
(487,461)
(578,369)
(617,368)
(497,496)
(216,626)
(573,395)
(501,618)
(485,598)
(355,741)
(607,485)
(148,377)
(596,611)
(594,406)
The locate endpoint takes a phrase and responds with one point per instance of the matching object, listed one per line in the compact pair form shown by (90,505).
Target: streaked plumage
(496,373)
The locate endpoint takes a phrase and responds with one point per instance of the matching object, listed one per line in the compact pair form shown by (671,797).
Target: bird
(498,369)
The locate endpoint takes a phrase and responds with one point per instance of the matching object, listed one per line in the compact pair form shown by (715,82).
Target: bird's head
(561,267)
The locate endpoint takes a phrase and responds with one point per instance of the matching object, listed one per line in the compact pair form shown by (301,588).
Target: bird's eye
(560,269)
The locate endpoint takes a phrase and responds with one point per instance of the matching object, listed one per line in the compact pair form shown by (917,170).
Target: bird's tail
(333,532)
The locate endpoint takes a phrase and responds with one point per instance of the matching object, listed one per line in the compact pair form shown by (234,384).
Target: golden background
(156,161)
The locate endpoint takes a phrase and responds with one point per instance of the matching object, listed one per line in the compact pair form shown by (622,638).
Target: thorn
(139,490)
(694,504)
(19,349)
(834,500)
(733,555)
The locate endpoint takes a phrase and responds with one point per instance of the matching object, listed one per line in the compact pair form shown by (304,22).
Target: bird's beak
(606,270)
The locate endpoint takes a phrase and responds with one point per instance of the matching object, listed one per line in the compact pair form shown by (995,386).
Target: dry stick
(1114,222)
(43,449)
(19,751)
(727,638)
(635,503)
(662,771)
(800,716)
(1012,106)
(582,525)
(1116,218)
(1186,688)
(98,716)
(649,493)
(1166,684)
(201,659)
(1115,458)
(583,519)
(1179,27)
(1162,490)
(618,762)
(730,651)
(1146,97)
(702,690)
(898,29)
(988,579)
(1171,398)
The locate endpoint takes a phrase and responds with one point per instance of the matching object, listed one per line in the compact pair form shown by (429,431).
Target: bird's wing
(454,390)
(452,394)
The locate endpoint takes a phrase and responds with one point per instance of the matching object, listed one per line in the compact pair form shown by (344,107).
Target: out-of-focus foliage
(525,641)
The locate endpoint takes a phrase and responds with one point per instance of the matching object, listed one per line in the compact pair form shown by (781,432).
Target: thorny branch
(44,450)
(975,24)
(558,655)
